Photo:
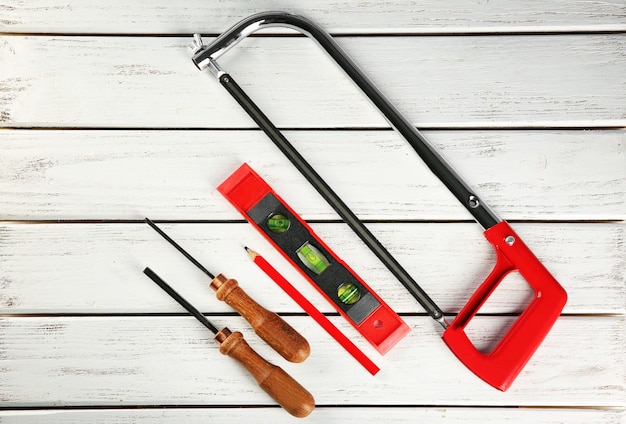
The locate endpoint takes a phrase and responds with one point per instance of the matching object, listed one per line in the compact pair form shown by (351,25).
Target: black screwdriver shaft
(181,300)
(180,249)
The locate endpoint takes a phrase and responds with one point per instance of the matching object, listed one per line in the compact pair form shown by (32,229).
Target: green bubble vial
(312,258)
(348,293)
(278,223)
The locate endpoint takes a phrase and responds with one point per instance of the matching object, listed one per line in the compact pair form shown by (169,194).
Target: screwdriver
(294,398)
(290,344)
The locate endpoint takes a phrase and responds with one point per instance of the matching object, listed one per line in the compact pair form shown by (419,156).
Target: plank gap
(522,126)
(469,32)
(284,314)
(310,221)
(318,406)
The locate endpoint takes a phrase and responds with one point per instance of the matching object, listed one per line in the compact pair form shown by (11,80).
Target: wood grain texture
(125,361)
(274,381)
(569,175)
(449,81)
(386,16)
(322,414)
(96,268)
(268,325)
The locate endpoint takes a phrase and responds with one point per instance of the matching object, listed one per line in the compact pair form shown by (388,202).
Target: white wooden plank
(327,415)
(172,361)
(451,81)
(568,175)
(387,16)
(96,268)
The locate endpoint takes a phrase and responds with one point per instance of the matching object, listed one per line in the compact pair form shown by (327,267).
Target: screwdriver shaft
(179,248)
(181,300)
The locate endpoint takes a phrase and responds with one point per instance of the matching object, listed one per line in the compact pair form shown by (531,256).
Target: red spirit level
(498,367)
(293,237)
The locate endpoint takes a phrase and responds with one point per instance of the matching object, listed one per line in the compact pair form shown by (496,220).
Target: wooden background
(105,120)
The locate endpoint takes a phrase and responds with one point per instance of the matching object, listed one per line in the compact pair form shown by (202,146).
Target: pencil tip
(251,253)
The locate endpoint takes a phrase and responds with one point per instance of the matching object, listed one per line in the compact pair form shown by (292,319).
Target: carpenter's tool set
(354,299)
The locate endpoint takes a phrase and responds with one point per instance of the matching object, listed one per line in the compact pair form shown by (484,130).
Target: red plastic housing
(383,328)
(502,365)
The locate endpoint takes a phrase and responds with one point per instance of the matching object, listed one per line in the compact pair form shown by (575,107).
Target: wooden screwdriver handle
(294,398)
(268,325)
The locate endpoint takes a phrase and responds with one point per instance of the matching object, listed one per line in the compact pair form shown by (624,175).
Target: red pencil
(313,311)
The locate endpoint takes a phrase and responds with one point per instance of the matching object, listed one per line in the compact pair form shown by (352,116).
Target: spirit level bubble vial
(297,242)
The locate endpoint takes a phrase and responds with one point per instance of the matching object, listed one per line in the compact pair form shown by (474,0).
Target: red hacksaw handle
(502,365)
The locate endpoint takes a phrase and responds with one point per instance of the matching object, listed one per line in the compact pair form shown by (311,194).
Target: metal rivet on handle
(509,240)
(473,202)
